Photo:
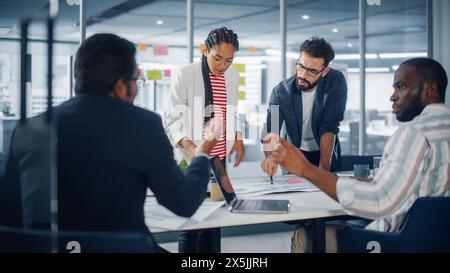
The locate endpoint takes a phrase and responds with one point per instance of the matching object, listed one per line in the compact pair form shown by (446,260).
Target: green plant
(183,165)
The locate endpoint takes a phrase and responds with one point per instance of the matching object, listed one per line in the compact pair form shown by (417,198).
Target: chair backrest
(14,240)
(347,161)
(425,229)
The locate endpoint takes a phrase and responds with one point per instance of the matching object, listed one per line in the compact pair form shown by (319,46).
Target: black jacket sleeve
(334,106)
(10,190)
(180,192)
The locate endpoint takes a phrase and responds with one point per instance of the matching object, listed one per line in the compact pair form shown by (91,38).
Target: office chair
(426,229)
(17,240)
(347,161)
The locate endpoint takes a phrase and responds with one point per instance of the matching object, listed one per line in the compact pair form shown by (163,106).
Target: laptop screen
(222,178)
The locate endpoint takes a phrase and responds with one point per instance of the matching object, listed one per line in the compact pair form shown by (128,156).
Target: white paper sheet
(160,217)
(254,186)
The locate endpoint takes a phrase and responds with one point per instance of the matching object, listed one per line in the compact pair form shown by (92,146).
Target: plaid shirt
(415,163)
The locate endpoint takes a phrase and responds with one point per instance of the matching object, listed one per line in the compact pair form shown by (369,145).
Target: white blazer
(185,115)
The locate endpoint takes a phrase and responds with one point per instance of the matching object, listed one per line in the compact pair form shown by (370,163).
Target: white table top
(303,206)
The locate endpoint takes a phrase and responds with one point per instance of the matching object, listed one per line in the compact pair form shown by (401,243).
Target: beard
(413,108)
(307,87)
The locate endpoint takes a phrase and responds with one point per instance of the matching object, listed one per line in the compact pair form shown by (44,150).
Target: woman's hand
(238,147)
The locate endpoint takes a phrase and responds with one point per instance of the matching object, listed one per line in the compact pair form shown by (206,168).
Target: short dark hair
(101,60)
(222,35)
(318,48)
(430,71)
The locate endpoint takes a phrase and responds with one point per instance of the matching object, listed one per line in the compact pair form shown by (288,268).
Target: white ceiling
(395,26)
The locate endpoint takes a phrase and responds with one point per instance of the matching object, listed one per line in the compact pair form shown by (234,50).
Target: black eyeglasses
(140,81)
(311,71)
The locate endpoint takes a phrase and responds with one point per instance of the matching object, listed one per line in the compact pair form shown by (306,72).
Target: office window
(158,28)
(336,22)
(396,31)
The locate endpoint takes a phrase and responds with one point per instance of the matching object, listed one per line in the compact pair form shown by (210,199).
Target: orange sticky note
(142,47)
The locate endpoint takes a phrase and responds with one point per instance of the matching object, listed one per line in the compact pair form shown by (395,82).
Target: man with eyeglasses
(415,162)
(310,105)
(109,153)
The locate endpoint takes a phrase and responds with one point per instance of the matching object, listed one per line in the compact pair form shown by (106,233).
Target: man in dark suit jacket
(311,105)
(109,152)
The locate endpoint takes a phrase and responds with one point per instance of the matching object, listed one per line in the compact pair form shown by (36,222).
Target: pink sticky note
(295,180)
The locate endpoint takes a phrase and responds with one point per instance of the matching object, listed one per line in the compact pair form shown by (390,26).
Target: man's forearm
(323,179)
(326,148)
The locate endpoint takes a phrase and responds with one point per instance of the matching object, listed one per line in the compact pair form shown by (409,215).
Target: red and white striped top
(220,110)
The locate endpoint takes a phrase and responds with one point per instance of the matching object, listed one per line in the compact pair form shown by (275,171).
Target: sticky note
(295,180)
(167,72)
(160,50)
(239,67)
(142,47)
(154,75)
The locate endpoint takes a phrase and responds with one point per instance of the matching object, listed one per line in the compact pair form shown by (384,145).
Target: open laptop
(244,205)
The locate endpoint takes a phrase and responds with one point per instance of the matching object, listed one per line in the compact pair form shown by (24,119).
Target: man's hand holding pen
(268,165)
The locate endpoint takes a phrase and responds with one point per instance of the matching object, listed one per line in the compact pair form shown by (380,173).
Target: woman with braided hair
(212,85)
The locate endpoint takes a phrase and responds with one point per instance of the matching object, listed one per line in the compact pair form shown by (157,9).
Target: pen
(271,179)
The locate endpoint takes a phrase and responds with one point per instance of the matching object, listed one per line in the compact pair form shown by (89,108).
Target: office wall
(441,37)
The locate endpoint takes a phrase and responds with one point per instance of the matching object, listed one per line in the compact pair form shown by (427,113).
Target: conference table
(315,207)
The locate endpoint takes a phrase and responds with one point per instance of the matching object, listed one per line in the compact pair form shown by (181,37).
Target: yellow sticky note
(154,75)
(241,80)
(241,95)
(239,67)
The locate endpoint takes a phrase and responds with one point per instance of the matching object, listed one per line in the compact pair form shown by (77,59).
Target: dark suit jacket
(109,153)
(328,109)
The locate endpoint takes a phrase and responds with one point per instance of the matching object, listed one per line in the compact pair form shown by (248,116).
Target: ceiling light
(394,67)
(5,30)
(369,70)
(151,65)
(402,55)
(250,59)
(335,30)
(159,22)
(73,2)
(276,52)
(349,45)
(305,17)
(378,69)
(354,56)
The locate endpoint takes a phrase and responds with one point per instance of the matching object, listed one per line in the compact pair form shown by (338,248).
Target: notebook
(244,205)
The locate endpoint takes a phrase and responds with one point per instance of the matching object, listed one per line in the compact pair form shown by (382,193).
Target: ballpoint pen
(271,179)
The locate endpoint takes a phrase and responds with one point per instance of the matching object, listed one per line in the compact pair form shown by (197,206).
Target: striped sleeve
(402,160)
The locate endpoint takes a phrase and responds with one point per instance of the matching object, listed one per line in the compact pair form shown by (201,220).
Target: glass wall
(159,31)
(396,30)
(337,22)
(257,25)
(36,59)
